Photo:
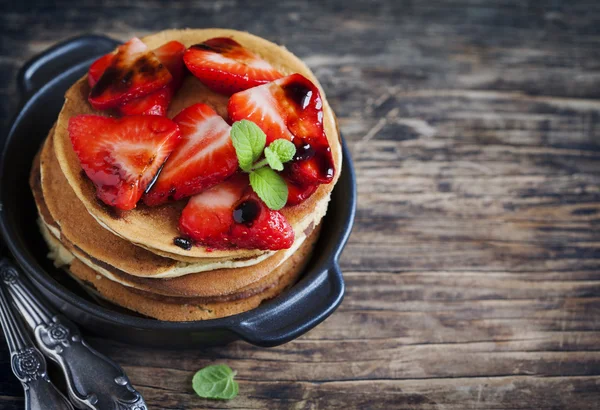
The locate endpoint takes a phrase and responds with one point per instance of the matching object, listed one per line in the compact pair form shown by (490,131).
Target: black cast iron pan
(42,83)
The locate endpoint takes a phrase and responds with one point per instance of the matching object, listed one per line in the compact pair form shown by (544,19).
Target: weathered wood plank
(380,359)
(525,392)
(525,168)
(461,44)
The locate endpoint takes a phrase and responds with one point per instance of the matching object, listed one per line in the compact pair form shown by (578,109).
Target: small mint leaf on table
(249,141)
(215,382)
(270,187)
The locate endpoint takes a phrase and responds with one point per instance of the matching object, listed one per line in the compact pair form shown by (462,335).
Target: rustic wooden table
(473,272)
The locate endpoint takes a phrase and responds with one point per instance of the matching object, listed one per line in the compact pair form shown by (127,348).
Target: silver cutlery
(28,363)
(93,380)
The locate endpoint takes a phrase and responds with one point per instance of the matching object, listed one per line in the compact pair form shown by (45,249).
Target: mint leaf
(270,187)
(273,159)
(249,141)
(284,149)
(278,152)
(215,382)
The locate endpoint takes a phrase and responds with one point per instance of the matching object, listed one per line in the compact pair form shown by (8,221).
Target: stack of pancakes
(130,258)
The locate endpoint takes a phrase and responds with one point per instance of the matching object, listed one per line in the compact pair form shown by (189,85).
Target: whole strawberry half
(290,108)
(226,67)
(133,72)
(230,215)
(157,102)
(122,156)
(204,158)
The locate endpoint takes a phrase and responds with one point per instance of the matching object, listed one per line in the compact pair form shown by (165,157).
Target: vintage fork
(28,363)
(93,380)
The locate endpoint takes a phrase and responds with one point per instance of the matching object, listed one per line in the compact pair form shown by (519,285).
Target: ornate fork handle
(28,364)
(93,380)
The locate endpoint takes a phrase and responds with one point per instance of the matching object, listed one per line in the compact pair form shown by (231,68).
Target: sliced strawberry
(290,108)
(122,156)
(230,215)
(298,193)
(133,72)
(226,67)
(204,158)
(171,55)
(208,217)
(155,103)
(258,227)
(98,67)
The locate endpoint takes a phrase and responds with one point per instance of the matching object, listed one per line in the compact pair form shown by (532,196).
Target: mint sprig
(249,142)
(215,382)
(279,152)
(273,159)
(273,189)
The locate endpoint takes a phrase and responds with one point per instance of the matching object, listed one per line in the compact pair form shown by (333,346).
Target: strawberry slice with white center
(204,158)
(290,108)
(208,216)
(133,72)
(230,215)
(225,66)
(157,102)
(122,156)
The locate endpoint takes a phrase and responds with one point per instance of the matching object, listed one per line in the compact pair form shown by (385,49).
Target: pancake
(109,253)
(286,275)
(155,228)
(67,213)
(193,288)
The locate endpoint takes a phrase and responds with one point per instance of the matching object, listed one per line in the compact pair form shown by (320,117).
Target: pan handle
(57,59)
(307,305)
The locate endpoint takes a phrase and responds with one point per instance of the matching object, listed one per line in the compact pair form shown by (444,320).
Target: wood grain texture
(473,272)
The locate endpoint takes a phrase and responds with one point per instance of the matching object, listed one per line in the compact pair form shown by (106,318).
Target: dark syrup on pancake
(183,243)
(246,212)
